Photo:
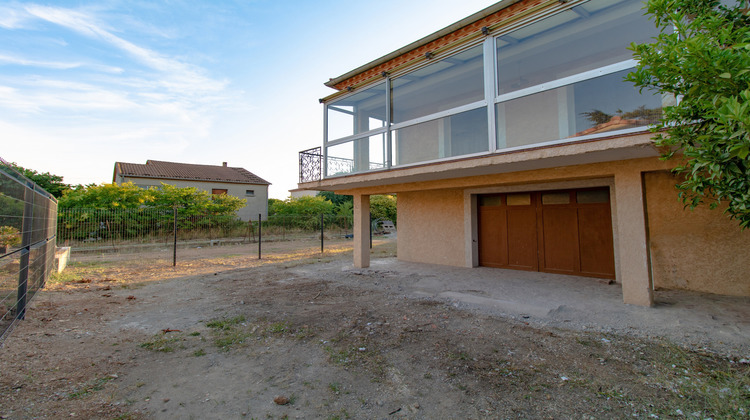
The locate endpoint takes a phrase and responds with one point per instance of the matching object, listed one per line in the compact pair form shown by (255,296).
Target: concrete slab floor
(713,323)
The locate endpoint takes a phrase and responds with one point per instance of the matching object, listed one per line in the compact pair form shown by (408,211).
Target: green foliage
(383,207)
(705,63)
(104,196)
(273,204)
(190,200)
(303,206)
(9,236)
(336,199)
(53,184)
(304,212)
(12,210)
(125,211)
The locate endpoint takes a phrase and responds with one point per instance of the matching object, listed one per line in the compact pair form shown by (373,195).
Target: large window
(562,77)
(455,135)
(358,113)
(446,84)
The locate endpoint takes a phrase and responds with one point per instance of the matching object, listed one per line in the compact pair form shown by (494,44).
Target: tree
(383,207)
(334,198)
(704,63)
(128,196)
(104,196)
(301,206)
(53,184)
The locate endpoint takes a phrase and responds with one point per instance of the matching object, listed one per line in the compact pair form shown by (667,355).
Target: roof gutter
(424,41)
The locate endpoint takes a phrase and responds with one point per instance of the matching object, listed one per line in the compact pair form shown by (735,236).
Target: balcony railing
(311,163)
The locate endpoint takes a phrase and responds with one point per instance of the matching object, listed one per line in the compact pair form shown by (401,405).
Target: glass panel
(456,135)
(491,200)
(586,37)
(556,197)
(360,155)
(519,199)
(592,196)
(599,105)
(358,113)
(451,82)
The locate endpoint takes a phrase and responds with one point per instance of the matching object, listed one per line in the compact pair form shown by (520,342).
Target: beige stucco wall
(698,249)
(431,227)
(257,204)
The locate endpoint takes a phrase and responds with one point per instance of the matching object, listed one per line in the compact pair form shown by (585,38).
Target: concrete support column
(361,231)
(632,243)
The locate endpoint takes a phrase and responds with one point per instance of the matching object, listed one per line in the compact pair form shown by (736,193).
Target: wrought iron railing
(311,165)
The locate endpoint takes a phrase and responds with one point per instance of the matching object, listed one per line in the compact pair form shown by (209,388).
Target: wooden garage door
(567,232)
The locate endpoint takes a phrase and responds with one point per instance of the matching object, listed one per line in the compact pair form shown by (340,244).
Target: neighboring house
(223,179)
(512,141)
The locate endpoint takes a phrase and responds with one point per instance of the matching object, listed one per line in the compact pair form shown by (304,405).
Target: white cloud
(12,18)
(56,65)
(182,76)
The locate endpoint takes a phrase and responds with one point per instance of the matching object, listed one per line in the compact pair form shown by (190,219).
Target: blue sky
(84,84)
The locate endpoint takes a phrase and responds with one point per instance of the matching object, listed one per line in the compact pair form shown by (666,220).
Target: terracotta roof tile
(188,171)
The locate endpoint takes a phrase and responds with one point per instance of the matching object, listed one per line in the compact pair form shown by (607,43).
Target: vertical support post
(174,247)
(361,230)
(26,237)
(632,247)
(260,234)
(370,230)
(321,232)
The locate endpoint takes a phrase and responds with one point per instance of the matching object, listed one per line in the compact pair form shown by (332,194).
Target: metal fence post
(260,234)
(174,249)
(26,229)
(321,232)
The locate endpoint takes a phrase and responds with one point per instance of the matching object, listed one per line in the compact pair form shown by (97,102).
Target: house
(215,179)
(512,141)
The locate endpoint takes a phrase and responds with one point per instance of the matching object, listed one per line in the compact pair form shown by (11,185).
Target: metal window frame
(568,80)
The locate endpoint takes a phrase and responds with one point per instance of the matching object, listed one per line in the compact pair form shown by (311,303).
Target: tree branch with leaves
(702,58)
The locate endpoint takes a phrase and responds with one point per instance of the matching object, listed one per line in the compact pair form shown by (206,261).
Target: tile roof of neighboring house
(615,123)
(188,171)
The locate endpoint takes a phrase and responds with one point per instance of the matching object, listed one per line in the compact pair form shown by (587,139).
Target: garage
(562,231)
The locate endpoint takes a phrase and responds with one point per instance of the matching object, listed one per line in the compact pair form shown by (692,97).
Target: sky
(85,84)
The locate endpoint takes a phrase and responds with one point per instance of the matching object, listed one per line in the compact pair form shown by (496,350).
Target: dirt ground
(300,335)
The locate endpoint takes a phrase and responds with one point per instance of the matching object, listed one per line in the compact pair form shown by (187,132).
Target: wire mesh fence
(28,218)
(137,230)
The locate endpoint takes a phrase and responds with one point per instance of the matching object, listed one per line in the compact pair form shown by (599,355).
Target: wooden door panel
(522,243)
(493,242)
(560,239)
(595,237)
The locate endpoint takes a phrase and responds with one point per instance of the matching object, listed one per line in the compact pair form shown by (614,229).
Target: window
(451,82)
(249,193)
(562,76)
(358,113)
(455,135)
(218,191)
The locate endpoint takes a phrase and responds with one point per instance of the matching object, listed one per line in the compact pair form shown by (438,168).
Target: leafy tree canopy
(705,63)
(334,198)
(383,207)
(128,196)
(300,206)
(53,184)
